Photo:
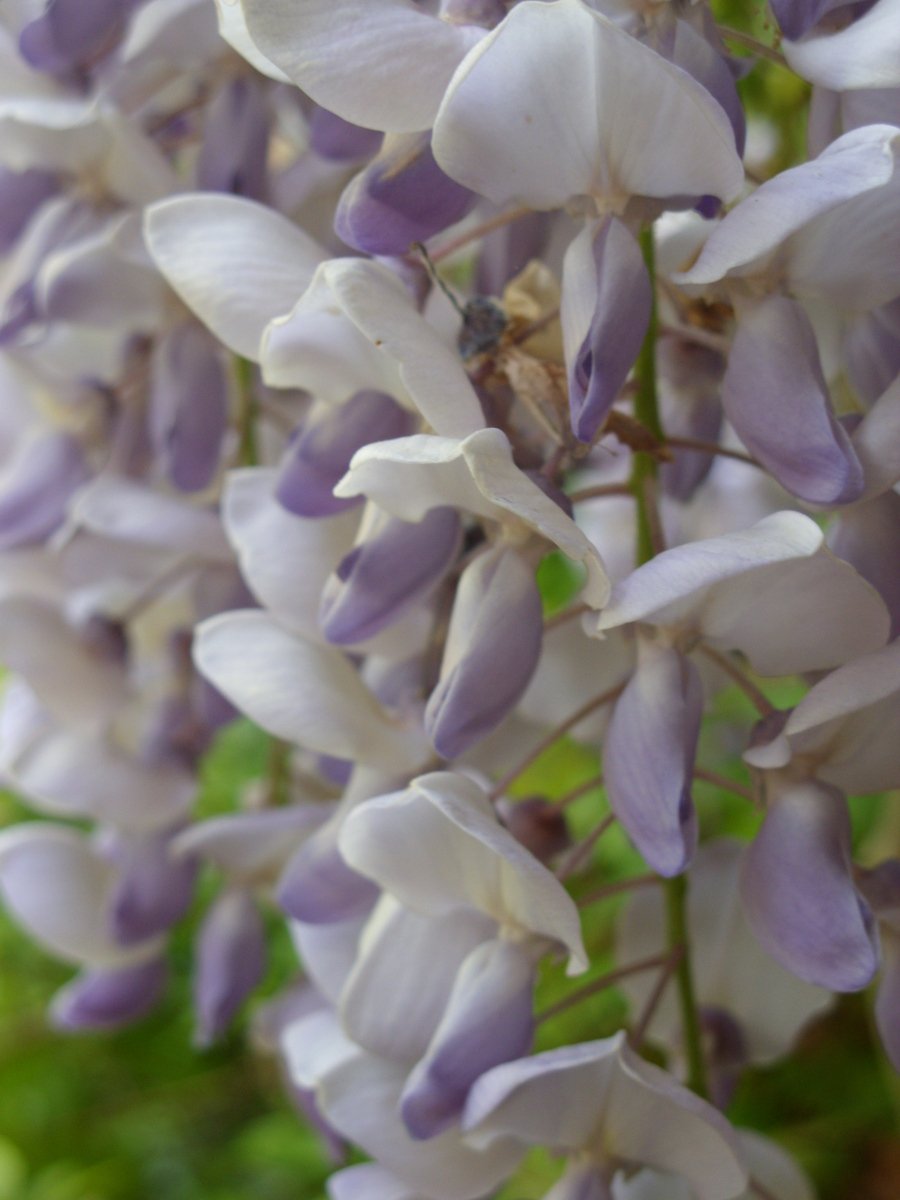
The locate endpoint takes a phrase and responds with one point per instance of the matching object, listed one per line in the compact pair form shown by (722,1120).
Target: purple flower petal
(109,999)
(868,537)
(154,888)
(387,573)
(321,454)
(71,33)
(35,495)
(21,194)
(230,962)
(796,17)
(488,1020)
(798,892)
(776,398)
(402,197)
(338,140)
(690,386)
(319,888)
(492,650)
(189,406)
(605,314)
(649,757)
(234,154)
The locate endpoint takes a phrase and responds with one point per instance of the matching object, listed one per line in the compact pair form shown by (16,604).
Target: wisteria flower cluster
(332,330)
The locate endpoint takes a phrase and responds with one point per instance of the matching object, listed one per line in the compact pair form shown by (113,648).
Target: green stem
(278,773)
(644,468)
(248,450)
(646,410)
(676,926)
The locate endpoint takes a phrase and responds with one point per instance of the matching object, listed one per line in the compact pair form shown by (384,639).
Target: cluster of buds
(331,331)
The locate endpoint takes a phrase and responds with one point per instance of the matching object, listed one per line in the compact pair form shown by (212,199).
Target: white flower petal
(360,1097)
(534,114)
(125,510)
(233,30)
(790,207)
(80,688)
(58,889)
(438,847)
(731,970)
(72,775)
(383,64)
(396,994)
(864,55)
(437,384)
(204,243)
(672,587)
(409,476)
(286,560)
(307,694)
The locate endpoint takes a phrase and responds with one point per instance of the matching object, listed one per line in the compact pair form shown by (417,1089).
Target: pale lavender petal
(493,647)
(251,846)
(776,398)
(153,890)
(387,573)
(601,1093)
(360,1096)
(796,207)
(338,140)
(649,757)
(401,197)
(862,54)
(604,281)
(798,891)
(234,154)
(508,250)
(690,387)
(318,887)
(694,54)
(368,1181)
(394,997)
(872,350)
(188,411)
(231,950)
(108,999)
(488,1020)
(320,455)
(36,489)
(21,194)
(337,52)
(868,537)
(71,33)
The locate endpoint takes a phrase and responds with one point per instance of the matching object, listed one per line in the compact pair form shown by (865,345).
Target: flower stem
(617,888)
(646,410)
(554,735)
(248,450)
(476,232)
(683,443)
(754,45)
(643,478)
(676,925)
(600,985)
(760,702)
